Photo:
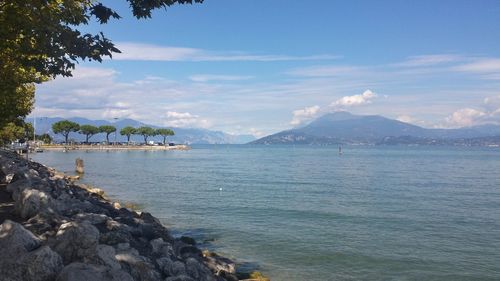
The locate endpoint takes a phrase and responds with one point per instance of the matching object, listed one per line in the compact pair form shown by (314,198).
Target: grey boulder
(86,272)
(76,240)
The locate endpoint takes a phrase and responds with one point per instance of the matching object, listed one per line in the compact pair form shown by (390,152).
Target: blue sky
(248,66)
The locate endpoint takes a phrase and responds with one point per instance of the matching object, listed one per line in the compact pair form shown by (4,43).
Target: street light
(116,131)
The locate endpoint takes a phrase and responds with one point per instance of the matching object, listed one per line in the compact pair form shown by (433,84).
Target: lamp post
(116,118)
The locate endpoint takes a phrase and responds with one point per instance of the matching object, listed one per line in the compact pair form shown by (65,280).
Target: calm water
(306,213)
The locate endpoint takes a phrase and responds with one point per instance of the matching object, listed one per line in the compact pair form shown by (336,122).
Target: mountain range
(182,135)
(345,128)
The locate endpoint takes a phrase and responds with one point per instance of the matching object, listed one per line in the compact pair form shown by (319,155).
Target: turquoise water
(306,213)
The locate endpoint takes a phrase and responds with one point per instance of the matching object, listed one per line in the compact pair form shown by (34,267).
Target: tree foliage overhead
(39,39)
(65,127)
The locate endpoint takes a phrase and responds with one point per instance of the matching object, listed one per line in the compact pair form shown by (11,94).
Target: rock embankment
(59,230)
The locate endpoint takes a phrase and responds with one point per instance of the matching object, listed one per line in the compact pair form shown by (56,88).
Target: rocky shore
(52,228)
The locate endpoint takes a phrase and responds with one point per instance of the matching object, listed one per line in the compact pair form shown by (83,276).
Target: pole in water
(79,165)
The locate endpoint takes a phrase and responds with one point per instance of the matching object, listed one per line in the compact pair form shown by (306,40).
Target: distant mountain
(343,127)
(182,135)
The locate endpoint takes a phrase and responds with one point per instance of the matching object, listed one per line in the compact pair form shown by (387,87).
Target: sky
(259,67)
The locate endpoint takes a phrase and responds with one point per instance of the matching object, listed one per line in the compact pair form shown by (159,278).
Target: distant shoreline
(114,147)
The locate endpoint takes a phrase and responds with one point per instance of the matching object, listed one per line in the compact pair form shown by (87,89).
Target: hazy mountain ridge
(182,135)
(343,127)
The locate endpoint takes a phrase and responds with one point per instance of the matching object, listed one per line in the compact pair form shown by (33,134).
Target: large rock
(42,264)
(138,266)
(170,267)
(32,202)
(161,248)
(75,241)
(87,272)
(22,259)
(198,271)
(183,250)
(105,255)
(115,237)
(218,264)
(15,240)
(17,187)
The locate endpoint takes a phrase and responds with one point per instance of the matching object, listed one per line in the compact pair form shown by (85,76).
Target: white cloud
(482,65)
(150,52)
(98,93)
(465,117)
(488,113)
(95,93)
(406,119)
(429,60)
(302,115)
(257,133)
(186,120)
(355,100)
(212,77)
(415,121)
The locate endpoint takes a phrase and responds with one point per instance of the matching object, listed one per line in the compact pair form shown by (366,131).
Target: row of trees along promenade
(65,127)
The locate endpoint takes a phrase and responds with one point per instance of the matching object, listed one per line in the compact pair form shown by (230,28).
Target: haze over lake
(305,212)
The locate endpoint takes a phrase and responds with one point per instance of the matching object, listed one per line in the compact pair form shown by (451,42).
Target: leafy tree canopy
(146,132)
(107,129)
(165,133)
(127,131)
(46,138)
(40,39)
(88,131)
(65,127)
(12,131)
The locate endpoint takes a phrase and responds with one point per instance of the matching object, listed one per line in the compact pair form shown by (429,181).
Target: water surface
(306,213)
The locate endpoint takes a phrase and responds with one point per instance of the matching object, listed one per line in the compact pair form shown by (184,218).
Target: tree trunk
(145,139)
(87,139)
(164,140)
(107,138)
(66,138)
(128,139)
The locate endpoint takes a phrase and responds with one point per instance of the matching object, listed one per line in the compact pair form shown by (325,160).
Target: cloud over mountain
(355,100)
(302,115)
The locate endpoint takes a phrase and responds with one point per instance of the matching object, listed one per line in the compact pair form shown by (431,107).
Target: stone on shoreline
(22,257)
(32,202)
(86,272)
(69,231)
(15,239)
(75,241)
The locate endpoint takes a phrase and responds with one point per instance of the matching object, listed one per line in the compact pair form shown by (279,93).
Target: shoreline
(57,228)
(113,147)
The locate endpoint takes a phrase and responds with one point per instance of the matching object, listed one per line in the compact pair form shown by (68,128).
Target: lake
(308,213)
